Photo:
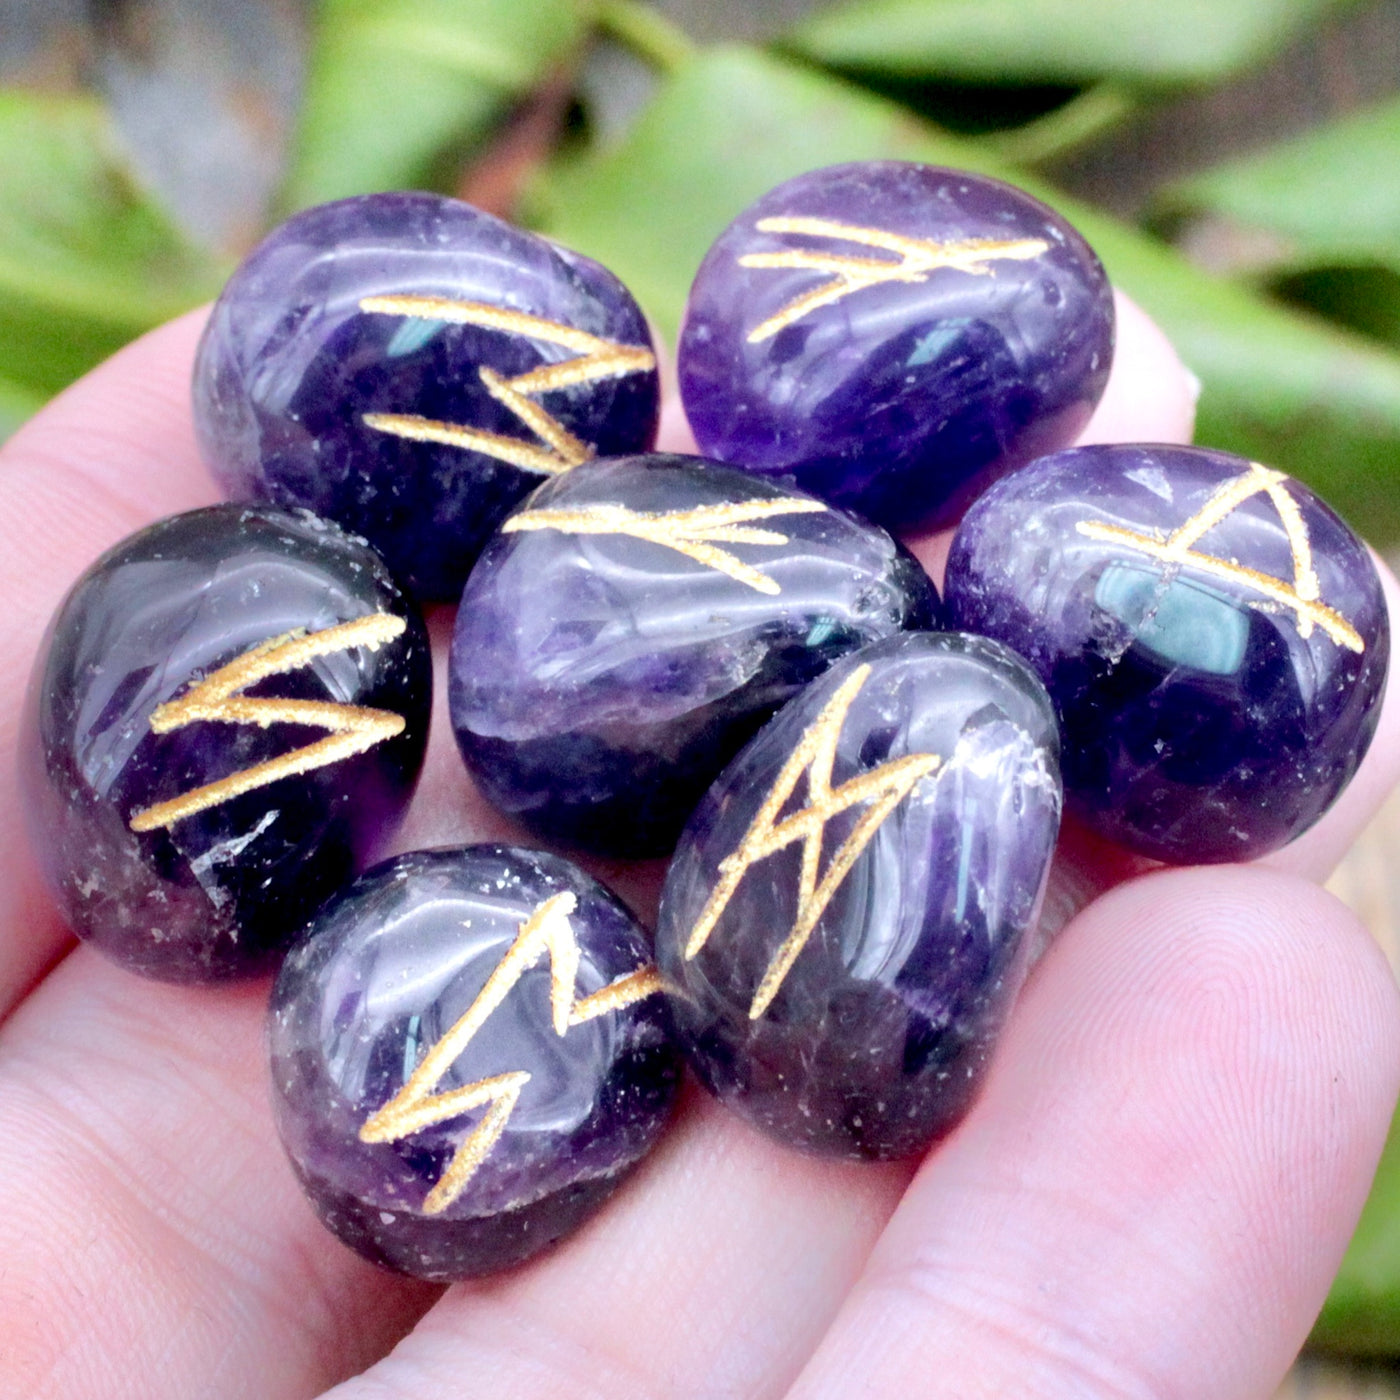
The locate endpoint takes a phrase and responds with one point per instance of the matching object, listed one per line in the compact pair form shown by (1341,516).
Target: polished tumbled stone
(224,725)
(893,336)
(411,367)
(468,1057)
(636,622)
(1214,638)
(842,926)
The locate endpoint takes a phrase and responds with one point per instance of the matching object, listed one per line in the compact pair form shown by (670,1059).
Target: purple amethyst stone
(842,925)
(411,367)
(224,724)
(893,337)
(1214,638)
(468,1058)
(637,621)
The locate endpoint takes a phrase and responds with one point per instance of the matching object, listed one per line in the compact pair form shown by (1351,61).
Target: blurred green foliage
(1329,202)
(1174,41)
(1362,1314)
(1298,358)
(732,123)
(1297,345)
(1331,196)
(87,260)
(394,90)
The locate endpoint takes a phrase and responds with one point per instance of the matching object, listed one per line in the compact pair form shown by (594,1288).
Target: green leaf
(16,404)
(730,125)
(1076,122)
(641,27)
(87,261)
(1331,196)
(1362,1313)
(394,85)
(1365,298)
(1144,41)
(734,122)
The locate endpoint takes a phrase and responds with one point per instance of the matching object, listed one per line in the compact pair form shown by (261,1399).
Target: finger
(136,1143)
(770,1239)
(674,434)
(1150,397)
(1157,1185)
(155,1242)
(712,1274)
(141,1146)
(106,457)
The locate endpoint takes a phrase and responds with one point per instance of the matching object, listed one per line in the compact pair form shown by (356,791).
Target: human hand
(1149,1198)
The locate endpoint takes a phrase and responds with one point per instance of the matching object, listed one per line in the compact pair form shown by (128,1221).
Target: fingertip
(1284,954)
(674,433)
(126,425)
(1172,1148)
(1151,396)
(108,455)
(1229,1037)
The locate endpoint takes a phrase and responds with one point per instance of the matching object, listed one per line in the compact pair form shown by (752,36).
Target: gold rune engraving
(694,533)
(416,1106)
(219,698)
(884,788)
(595,359)
(917,258)
(1301,597)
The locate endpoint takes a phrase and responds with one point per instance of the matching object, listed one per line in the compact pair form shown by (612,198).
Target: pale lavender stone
(873,1040)
(601,681)
(292,362)
(382,977)
(900,398)
(1214,638)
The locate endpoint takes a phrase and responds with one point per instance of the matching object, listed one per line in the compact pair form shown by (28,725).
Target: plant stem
(1084,117)
(644,30)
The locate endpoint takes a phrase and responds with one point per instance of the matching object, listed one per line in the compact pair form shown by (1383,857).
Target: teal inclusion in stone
(313,388)
(1214,638)
(1181,621)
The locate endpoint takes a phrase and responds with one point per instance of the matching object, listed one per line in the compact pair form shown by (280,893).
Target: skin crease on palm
(1149,1198)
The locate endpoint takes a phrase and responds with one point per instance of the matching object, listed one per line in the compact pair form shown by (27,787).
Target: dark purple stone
(190,892)
(603,674)
(445,1112)
(303,394)
(1213,636)
(848,1006)
(987,342)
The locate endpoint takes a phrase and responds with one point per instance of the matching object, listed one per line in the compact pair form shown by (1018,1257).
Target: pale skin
(1149,1198)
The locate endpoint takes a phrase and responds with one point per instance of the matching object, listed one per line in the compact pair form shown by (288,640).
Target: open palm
(1148,1199)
